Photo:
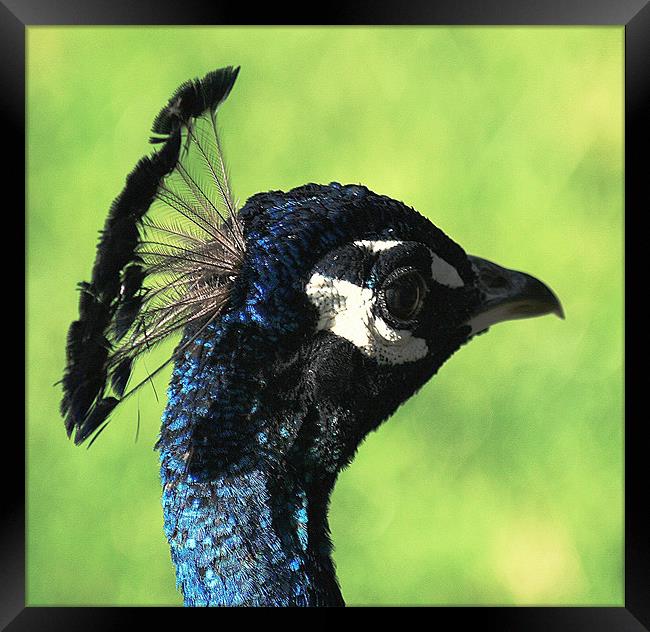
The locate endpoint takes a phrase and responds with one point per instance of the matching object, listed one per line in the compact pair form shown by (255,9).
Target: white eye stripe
(441,271)
(345,309)
(444,273)
(377,245)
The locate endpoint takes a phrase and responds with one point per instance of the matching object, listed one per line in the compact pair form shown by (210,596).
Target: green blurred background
(502,481)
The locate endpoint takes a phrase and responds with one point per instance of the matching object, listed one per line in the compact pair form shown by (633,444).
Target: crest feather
(170,247)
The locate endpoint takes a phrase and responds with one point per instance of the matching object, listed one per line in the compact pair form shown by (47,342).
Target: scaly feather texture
(307,318)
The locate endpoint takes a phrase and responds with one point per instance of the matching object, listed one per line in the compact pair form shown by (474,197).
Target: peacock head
(309,316)
(354,301)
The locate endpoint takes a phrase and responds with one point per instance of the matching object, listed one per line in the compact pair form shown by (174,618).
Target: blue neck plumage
(244,527)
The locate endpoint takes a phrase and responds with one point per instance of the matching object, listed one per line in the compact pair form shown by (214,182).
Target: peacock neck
(245,527)
(238,541)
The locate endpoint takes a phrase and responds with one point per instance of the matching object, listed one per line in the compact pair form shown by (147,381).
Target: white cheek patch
(346,310)
(441,271)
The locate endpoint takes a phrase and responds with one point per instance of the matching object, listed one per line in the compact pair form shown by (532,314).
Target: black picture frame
(16,15)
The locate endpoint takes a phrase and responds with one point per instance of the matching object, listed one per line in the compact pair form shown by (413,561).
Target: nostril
(496,282)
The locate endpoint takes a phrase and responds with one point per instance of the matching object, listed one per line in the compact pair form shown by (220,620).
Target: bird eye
(403,294)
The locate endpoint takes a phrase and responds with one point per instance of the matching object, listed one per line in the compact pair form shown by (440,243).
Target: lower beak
(509,295)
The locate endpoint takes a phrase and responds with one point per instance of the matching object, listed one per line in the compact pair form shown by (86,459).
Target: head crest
(170,248)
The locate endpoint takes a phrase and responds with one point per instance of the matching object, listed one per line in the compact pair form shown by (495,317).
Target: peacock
(305,318)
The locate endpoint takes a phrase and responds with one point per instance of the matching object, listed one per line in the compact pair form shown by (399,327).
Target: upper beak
(508,295)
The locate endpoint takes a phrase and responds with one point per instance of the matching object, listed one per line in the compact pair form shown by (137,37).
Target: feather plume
(166,258)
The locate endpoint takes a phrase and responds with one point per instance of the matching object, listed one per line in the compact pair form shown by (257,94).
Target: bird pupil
(404,295)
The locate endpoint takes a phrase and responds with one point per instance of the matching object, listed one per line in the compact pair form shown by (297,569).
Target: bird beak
(508,295)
